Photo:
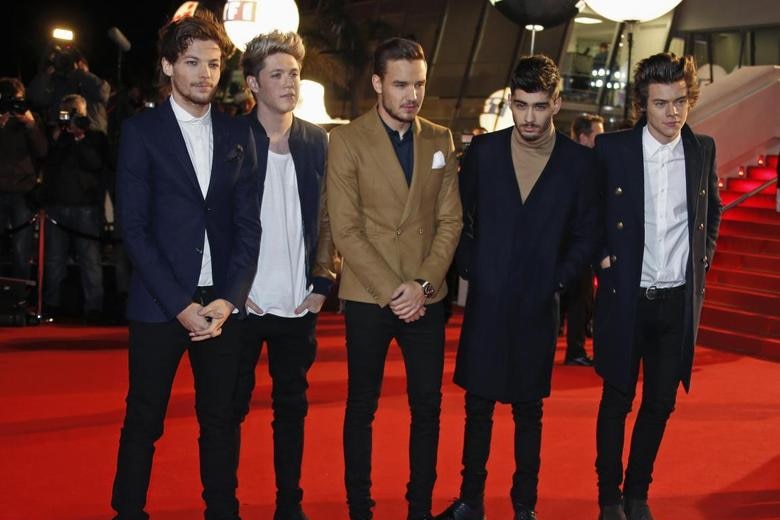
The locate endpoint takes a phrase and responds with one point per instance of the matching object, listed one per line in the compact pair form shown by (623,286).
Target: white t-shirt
(280,282)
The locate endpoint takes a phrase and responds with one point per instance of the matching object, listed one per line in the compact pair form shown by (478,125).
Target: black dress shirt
(404,149)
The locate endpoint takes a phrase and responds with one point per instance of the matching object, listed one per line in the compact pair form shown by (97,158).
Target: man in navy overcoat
(661,216)
(530,215)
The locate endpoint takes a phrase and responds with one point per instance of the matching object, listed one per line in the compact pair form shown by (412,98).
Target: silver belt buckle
(651,293)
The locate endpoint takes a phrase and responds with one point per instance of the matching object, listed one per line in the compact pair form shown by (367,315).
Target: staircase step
(752,245)
(758,346)
(759,200)
(739,185)
(761,173)
(735,320)
(736,260)
(749,228)
(745,299)
(745,279)
(752,214)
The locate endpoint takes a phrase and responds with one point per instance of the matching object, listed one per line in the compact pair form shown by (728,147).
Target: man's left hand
(312,303)
(407,300)
(218,311)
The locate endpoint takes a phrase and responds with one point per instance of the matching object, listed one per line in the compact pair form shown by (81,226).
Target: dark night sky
(27,26)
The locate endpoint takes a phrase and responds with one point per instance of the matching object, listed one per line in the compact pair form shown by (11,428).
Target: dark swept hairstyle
(177,35)
(10,87)
(537,73)
(663,68)
(583,124)
(396,49)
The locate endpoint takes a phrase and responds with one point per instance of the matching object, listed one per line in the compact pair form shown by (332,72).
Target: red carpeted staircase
(742,303)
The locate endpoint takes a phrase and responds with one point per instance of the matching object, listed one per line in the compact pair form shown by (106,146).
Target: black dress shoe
(296,514)
(524,513)
(638,510)
(581,361)
(460,510)
(612,513)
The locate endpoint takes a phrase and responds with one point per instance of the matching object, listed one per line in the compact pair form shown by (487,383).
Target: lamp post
(245,19)
(631,13)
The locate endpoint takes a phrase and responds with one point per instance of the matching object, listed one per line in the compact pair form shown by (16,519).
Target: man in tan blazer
(396,219)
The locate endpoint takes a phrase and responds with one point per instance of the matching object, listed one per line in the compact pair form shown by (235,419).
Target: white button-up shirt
(666,213)
(200,145)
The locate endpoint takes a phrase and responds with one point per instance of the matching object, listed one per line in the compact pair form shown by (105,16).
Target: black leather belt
(655,293)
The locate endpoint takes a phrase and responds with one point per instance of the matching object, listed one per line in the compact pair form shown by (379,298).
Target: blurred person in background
(73,194)
(22,144)
(66,71)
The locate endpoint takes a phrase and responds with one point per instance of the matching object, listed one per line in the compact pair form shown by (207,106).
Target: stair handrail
(745,196)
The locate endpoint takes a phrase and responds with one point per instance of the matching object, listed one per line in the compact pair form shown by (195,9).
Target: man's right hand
(191,320)
(605,263)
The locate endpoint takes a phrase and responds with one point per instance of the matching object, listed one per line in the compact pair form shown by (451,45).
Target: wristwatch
(427,288)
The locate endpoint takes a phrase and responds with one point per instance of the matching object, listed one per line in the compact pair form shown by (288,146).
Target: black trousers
(476,448)
(370,329)
(658,341)
(292,347)
(154,355)
(579,310)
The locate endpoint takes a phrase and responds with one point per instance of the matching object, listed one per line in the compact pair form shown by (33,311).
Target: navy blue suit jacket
(620,159)
(308,147)
(164,215)
(516,254)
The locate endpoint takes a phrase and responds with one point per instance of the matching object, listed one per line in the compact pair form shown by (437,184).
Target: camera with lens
(13,105)
(68,117)
(64,59)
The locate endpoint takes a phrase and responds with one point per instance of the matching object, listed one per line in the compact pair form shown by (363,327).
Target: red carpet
(61,404)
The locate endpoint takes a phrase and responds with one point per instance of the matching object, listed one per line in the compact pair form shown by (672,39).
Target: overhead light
(311,105)
(623,11)
(62,34)
(245,19)
(587,20)
(536,28)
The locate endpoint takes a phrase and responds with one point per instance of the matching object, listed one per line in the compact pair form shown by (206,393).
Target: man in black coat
(529,209)
(661,217)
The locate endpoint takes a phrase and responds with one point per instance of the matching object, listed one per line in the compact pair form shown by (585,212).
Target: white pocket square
(438,161)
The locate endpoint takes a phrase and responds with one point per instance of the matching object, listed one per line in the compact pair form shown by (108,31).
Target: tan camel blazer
(387,231)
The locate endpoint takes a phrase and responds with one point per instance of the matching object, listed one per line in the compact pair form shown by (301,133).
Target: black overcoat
(621,168)
(516,256)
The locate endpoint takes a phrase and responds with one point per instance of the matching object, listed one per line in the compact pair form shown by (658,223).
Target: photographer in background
(22,144)
(74,190)
(67,72)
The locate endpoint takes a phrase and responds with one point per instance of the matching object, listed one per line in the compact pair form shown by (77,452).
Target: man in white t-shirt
(295,264)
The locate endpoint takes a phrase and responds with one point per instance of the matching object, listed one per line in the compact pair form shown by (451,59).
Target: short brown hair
(74,102)
(177,36)
(264,45)
(583,124)
(537,73)
(663,68)
(396,49)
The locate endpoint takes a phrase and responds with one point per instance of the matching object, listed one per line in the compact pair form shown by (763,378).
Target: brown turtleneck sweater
(529,159)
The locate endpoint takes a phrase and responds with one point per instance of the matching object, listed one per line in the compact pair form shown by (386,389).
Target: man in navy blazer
(295,268)
(661,216)
(530,223)
(187,201)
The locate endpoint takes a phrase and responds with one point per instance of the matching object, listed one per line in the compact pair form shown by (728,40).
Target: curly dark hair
(663,68)
(177,35)
(537,73)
